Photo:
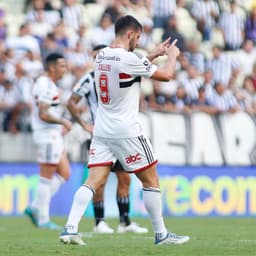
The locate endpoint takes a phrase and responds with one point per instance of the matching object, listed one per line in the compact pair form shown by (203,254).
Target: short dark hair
(52,58)
(126,22)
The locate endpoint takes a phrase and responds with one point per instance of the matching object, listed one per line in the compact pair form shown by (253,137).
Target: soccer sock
(153,204)
(123,206)
(42,201)
(81,200)
(98,211)
(56,183)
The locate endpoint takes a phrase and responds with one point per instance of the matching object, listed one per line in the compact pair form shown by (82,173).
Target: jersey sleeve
(138,65)
(43,92)
(82,87)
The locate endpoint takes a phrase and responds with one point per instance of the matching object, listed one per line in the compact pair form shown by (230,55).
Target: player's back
(118,84)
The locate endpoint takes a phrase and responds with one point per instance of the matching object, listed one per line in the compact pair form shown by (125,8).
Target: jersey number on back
(104,96)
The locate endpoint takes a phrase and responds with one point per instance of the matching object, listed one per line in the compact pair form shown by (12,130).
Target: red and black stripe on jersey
(126,80)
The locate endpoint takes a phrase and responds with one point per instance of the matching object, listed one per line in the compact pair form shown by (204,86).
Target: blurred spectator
(186,25)
(181,101)
(172,31)
(202,103)
(60,35)
(208,82)
(40,26)
(206,13)
(225,69)
(246,95)
(38,13)
(49,45)
(78,58)
(146,39)
(195,57)
(192,82)
(32,65)
(223,99)
(72,14)
(246,57)
(8,100)
(115,9)
(231,23)
(104,32)
(20,115)
(80,36)
(9,62)
(2,54)
(250,26)
(254,75)
(158,100)
(3,26)
(161,11)
(138,9)
(23,41)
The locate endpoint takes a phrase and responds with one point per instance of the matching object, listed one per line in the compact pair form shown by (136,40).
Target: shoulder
(43,84)
(85,80)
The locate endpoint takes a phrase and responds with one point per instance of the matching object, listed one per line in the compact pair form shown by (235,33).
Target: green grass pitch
(209,237)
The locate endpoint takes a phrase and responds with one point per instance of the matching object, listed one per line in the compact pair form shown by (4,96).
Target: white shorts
(134,154)
(50,145)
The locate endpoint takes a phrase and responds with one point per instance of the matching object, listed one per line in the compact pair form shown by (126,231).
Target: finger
(174,42)
(167,41)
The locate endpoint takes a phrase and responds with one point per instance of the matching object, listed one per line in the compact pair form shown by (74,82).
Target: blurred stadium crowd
(215,73)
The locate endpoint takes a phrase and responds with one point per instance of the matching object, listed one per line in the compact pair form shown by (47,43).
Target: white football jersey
(85,87)
(117,76)
(46,91)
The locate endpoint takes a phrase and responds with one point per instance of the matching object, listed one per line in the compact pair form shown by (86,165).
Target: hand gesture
(160,50)
(172,50)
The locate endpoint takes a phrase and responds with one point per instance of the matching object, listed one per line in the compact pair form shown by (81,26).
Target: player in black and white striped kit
(85,87)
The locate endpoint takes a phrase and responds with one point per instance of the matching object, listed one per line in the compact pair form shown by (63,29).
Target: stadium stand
(48,31)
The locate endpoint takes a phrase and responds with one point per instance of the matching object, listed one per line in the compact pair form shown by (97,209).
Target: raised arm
(166,72)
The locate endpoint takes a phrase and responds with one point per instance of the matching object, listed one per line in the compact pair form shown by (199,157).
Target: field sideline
(209,237)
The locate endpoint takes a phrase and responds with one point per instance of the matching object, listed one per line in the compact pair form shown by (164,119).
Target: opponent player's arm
(49,118)
(75,112)
(166,72)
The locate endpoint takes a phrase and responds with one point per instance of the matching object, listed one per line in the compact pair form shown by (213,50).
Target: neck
(120,43)
(52,77)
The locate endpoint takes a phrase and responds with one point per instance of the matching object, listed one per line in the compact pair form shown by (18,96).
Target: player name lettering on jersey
(104,67)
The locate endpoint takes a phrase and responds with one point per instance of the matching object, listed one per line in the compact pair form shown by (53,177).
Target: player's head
(131,28)
(97,48)
(56,65)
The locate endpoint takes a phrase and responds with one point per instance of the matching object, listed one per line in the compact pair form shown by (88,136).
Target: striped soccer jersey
(46,91)
(85,87)
(117,75)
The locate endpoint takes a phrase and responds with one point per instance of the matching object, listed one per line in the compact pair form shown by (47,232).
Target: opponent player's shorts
(134,154)
(49,144)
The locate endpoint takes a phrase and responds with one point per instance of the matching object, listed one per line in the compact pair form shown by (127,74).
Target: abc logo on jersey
(132,158)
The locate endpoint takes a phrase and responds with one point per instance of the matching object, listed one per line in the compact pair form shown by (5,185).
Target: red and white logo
(132,158)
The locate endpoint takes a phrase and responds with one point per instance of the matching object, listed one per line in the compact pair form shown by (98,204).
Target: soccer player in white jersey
(47,126)
(85,87)
(117,132)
